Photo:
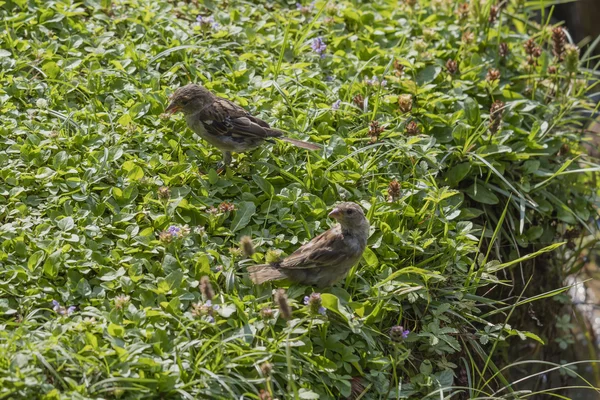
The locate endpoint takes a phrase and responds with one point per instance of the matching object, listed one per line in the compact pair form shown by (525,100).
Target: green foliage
(109,207)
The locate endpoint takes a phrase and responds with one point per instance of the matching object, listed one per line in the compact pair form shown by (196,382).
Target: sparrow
(224,124)
(325,259)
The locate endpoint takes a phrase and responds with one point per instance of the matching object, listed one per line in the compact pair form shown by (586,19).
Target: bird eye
(350,212)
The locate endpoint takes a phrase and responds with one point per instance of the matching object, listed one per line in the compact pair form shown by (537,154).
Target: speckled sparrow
(325,259)
(224,124)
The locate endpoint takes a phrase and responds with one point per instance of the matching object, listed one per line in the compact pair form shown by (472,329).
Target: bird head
(348,214)
(189,99)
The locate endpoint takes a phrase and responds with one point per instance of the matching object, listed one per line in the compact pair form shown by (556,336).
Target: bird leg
(222,166)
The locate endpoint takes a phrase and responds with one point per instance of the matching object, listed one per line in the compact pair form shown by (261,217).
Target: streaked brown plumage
(224,124)
(325,259)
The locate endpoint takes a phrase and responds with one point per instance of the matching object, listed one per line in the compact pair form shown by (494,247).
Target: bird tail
(300,143)
(264,273)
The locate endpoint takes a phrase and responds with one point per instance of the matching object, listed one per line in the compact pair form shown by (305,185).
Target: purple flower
(61,309)
(398,333)
(336,105)
(314,303)
(207,22)
(319,46)
(305,9)
(375,82)
(174,231)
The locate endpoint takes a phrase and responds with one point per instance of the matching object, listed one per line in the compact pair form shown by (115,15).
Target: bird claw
(221,168)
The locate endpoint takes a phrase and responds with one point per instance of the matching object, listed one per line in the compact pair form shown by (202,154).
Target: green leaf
(243,215)
(428,74)
(66,224)
(35,259)
(480,193)
(265,186)
(457,173)
(115,330)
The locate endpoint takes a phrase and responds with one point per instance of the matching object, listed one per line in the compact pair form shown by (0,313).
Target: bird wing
(224,118)
(327,249)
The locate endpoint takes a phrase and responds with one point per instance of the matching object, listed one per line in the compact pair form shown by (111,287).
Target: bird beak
(335,213)
(172,108)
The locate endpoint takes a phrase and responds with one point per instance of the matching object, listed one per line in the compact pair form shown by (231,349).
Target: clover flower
(398,333)
(305,9)
(336,105)
(205,309)
(405,102)
(62,310)
(121,301)
(319,46)
(207,22)
(173,232)
(393,190)
(375,82)
(496,111)
(315,304)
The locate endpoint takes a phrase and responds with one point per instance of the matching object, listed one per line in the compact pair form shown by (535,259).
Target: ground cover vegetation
(123,253)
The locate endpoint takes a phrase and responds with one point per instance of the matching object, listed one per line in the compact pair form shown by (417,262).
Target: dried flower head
(494,12)
(398,68)
(266,368)
(359,100)
(284,307)
(559,39)
(410,3)
(266,313)
(468,37)
(451,66)
(164,193)
(529,46)
(121,301)
(412,128)
(393,190)
(206,288)
(503,50)
(246,246)
(264,395)
(571,57)
(552,69)
(375,129)
(226,207)
(496,111)
(463,10)
(165,237)
(492,75)
(398,333)
(405,102)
